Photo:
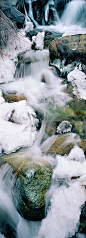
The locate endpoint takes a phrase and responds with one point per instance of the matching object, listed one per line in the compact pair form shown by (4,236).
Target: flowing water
(45,93)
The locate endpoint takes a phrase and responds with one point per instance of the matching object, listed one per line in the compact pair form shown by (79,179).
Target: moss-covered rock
(61,146)
(32,180)
(79,128)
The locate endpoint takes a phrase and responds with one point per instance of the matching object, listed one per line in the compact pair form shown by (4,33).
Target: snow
(64,127)
(17,126)
(63,216)
(39,40)
(78,81)
(66,199)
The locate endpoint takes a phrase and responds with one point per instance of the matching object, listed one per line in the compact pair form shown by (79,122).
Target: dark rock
(37,11)
(11,12)
(60,4)
(42,2)
(19,4)
(82,227)
(7,225)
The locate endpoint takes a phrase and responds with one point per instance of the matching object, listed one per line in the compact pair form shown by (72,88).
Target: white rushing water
(18,128)
(75,13)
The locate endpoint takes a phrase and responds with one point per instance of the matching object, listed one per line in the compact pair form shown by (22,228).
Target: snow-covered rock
(17,126)
(78,81)
(64,127)
(39,40)
(62,218)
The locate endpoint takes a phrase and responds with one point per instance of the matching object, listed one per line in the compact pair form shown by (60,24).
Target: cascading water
(45,93)
(75,13)
(48,6)
(30,12)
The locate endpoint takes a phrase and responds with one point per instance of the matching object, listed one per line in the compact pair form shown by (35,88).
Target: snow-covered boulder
(78,81)
(17,126)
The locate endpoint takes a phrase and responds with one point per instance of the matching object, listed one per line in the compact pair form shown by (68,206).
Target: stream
(30,127)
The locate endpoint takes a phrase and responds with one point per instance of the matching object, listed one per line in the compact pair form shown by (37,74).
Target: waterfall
(50,6)
(75,13)
(30,12)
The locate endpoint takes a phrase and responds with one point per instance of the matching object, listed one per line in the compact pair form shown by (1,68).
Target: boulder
(68,49)
(19,4)
(11,12)
(31,182)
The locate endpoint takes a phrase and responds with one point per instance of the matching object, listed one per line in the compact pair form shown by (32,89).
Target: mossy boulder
(32,180)
(62,145)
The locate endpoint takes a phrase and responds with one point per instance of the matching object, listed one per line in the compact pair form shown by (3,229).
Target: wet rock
(18,4)
(60,4)
(82,144)
(69,49)
(62,145)
(82,227)
(14,98)
(79,127)
(64,127)
(11,12)
(32,180)
(51,127)
(37,11)
(7,224)
(50,36)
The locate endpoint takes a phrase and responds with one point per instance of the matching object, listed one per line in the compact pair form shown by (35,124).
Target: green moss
(60,146)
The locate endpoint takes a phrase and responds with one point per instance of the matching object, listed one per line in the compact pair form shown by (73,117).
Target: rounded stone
(31,182)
